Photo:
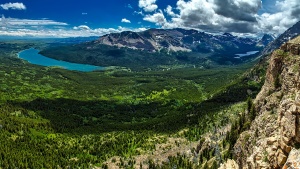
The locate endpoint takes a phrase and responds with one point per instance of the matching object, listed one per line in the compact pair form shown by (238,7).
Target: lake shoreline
(238,56)
(32,56)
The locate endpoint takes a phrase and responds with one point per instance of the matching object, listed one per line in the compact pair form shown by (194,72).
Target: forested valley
(55,118)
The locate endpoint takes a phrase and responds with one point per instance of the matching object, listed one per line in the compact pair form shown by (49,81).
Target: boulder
(271,140)
(281,158)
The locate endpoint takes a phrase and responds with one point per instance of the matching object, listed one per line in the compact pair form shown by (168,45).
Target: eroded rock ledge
(274,136)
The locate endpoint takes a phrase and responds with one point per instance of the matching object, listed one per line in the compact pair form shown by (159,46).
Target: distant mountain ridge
(266,39)
(154,48)
(291,33)
(178,39)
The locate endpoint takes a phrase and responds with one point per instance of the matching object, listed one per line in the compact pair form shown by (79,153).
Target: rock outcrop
(293,160)
(274,135)
(293,48)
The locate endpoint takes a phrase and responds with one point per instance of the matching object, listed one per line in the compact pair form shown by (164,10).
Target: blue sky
(67,18)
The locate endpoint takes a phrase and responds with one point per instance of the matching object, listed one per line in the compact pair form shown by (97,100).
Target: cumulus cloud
(14,6)
(217,15)
(169,11)
(241,10)
(236,16)
(157,18)
(196,13)
(287,14)
(84,13)
(124,20)
(148,5)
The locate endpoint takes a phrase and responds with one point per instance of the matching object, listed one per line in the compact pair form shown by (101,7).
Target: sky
(70,18)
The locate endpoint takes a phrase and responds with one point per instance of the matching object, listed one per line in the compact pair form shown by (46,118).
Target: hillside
(52,117)
(273,138)
(185,117)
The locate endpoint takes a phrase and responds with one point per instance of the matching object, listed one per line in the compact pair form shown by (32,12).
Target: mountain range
(154,40)
(160,47)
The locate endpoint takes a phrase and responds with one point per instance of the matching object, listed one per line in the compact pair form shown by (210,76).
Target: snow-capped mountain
(179,40)
(266,39)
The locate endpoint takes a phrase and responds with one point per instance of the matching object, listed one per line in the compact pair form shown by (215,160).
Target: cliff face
(274,136)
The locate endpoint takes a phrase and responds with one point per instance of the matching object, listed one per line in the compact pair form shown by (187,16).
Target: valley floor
(50,117)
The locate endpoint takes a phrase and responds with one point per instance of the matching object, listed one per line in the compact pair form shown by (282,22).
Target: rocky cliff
(273,140)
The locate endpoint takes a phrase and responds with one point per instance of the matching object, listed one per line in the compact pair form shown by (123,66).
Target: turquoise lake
(246,54)
(32,56)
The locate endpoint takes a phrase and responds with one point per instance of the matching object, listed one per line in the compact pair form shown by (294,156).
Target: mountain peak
(228,34)
(266,35)
(266,39)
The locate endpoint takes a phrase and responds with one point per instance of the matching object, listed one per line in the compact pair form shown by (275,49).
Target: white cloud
(169,11)
(157,18)
(148,5)
(236,16)
(45,28)
(197,12)
(139,13)
(287,14)
(84,13)
(61,31)
(124,20)
(14,6)
(28,22)
(81,27)
(140,29)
